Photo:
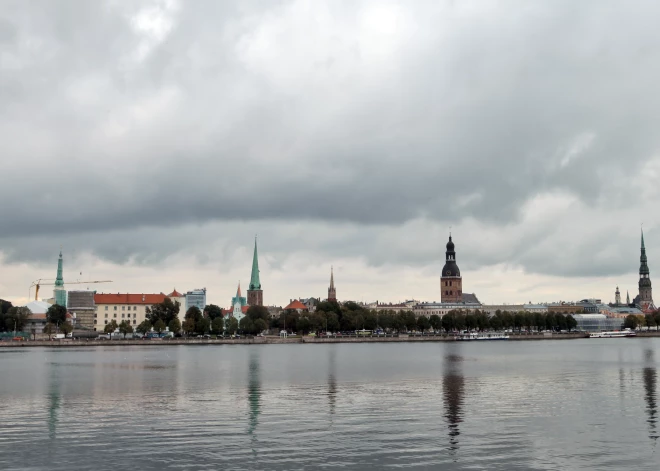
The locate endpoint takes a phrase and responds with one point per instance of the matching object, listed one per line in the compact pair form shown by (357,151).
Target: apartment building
(123,307)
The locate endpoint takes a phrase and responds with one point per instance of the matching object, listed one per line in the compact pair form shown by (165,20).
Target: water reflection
(54,400)
(254,391)
(453,385)
(649,374)
(332,381)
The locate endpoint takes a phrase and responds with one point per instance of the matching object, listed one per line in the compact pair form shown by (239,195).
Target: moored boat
(612,334)
(468,336)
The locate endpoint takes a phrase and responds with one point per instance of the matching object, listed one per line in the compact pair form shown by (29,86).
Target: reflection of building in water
(54,400)
(254,391)
(650,385)
(453,390)
(332,381)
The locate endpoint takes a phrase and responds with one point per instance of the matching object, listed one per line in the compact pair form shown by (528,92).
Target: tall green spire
(255,283)
(59,280)
(59,293)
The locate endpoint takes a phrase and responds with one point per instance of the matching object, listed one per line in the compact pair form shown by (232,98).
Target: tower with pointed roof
(255,295)
(645,297)
(238,304)
(451,283)
(617,297)
(332,292)
(59,293)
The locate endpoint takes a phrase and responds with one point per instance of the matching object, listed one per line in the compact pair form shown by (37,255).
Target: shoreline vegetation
(273,340)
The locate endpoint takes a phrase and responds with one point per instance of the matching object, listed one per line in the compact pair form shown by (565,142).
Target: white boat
(612,334)
(468,336)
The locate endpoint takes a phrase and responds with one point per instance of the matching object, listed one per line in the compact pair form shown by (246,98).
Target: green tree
(110,327)
(409,320)
(423,323)
(649,321)
(630,322)
(212,312)
(657,319)
(56,314)
(260,325)
(470,322)
(66,328)
(16,318)
(560,320)
(550,321)
(174,326)
(144,327)
(188,326)
(518,321)
(246,326)
(165,311)
(539,321)
(159,325)
(571,323)
(332,321)
(231,326)
(370,320)
(303,325)
(49,329)
(125,327)
(436,322)
(329,306)
(218,326)
(397,322)
(496,323)
(258,312)
(203,326)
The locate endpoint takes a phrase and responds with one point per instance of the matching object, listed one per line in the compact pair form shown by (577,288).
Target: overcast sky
(152,140)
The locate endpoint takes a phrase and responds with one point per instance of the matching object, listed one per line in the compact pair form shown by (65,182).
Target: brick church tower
(645,298)
(451,283)
(332,292)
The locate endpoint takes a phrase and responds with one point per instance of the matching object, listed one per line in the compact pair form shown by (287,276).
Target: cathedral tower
(451,283)
(332,292)
(255,295)
(645,298)
(617,297)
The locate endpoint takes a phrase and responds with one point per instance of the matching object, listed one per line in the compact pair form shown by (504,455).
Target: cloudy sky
(153,139)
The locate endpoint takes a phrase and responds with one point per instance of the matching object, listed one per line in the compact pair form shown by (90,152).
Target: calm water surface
(584,404)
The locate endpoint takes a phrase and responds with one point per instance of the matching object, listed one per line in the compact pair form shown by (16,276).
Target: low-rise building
(541,308)
(123,307)
(565,308)
(597,322)
(491,309)
(470,303)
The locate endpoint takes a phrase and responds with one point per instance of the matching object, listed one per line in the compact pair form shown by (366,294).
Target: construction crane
(38,283)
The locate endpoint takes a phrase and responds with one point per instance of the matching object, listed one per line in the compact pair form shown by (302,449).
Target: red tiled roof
(295,304)
(126,298)
(245,309)
(174,294)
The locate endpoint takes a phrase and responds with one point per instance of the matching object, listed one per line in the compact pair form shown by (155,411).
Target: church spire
(255,283)
(645,298)
(255,296)
(332,292)
(59,293)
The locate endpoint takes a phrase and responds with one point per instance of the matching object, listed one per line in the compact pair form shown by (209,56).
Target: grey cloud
(468,116)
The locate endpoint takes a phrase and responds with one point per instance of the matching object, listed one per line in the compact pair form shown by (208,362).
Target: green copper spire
(59,280)
(254,278)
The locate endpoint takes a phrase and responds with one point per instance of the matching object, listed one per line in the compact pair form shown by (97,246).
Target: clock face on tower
(448,273)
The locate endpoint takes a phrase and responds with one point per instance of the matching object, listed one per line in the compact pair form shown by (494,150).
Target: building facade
(81,306)
(440,309)
(255,295)
(197,298)
(123,307)
(451,283)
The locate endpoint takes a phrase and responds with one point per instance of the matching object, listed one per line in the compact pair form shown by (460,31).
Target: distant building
(177,297)
(565,308)
(428,309)
(542,308)
(491,309)
(295,305)
(81,305)
(196,297)
(332,292)
(255,295)
(597,322)
(123,307)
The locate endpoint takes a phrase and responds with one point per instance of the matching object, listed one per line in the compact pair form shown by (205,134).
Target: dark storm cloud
(113,119)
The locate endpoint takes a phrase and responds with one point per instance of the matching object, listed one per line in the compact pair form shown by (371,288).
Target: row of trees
(649,321)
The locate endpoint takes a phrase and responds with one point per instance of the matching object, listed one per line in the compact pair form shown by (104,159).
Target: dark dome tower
(451,283)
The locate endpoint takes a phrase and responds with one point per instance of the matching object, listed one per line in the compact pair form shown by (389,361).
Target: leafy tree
(518,321)
(260,325)
(550,321)
(332,321)
(539,321)
(246,326)
(397,322)
(212,312)
(174,326)
(232,326)
(436,322)
(303,325)
(370,321)
(649,321)
(409,319)
(203,326)
(56,314)
(194,314)
(470,322)
(423,323)
(384,319)
(258,312)
(630,322)
(560,321)
(159,325)
(144,327)
(66,328)
(49,329)
(496,322)
(125,327)
(571,323)
(657,319)
(218,326)
(329,306)
(188,326)
(16,318)
(165,311)
(110,327)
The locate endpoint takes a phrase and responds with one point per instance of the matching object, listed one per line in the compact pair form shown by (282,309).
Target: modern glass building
(196,297)
(597,322)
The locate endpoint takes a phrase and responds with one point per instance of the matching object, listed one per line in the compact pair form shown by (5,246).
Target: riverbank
(290,340)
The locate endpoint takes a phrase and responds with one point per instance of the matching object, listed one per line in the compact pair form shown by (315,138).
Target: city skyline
(155,157)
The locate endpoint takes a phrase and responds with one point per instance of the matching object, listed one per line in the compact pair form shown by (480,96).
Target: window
(122,315)
(106,308)
(450,283)
(95,322)
(106,321)
(106,315)
(134,315)
(451,294)
(123,308)
(135,308)
(115,315)
(94,315)
(134,321)
(115,308)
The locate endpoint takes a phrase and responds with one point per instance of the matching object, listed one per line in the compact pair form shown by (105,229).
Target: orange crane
(37,284)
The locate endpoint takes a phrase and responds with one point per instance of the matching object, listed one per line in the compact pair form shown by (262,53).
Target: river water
(580,404)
